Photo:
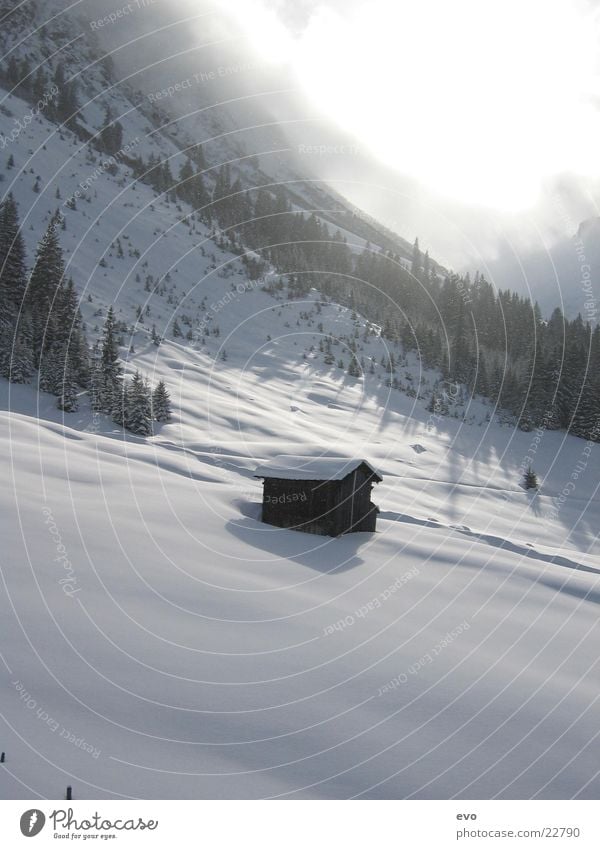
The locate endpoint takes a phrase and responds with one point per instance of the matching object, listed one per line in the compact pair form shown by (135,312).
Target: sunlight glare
(479,101)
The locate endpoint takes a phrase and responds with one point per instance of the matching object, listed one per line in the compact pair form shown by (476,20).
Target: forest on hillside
(545,372)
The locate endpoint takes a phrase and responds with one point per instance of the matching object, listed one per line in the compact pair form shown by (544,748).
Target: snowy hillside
(158,640)
(197,652)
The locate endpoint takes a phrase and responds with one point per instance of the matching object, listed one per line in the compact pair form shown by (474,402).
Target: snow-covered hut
(319,495)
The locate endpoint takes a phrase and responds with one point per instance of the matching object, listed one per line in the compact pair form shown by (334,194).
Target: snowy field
(161,642)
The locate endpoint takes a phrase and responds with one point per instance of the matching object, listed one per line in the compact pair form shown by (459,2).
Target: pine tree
(24,86)
(96,381)
(461,362)
(21,363)
(44,286)
(12,71)
(119,400)
(39,85)
(67,397)
(138,407)
(13,275)
(111,134)
(415,266)
(69,331)
(222,202)
(65,106)
(426,267)
(110,364)
(587,416)
(185,183)
(161,403)
(166,178)
(354,367)
(52,368)
(13,282)
(199,195)
(530,480)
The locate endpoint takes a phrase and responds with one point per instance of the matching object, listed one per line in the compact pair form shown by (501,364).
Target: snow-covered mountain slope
(198,652)
(180,75)
(158,264)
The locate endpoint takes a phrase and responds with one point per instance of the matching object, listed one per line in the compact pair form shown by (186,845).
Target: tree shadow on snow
(534,502)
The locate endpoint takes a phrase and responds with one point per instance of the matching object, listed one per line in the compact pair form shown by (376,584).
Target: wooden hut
(322,495)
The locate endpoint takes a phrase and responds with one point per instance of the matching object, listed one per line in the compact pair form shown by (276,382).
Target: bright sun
(481,100)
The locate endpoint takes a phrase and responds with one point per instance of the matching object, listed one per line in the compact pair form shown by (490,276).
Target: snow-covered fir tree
(138,406)
(67,397)
(42,292)
(110,368)
(161,403)
(16,359)
(530,479)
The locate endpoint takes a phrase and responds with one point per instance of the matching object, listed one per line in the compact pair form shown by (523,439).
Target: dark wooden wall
(354,511)
(321,507)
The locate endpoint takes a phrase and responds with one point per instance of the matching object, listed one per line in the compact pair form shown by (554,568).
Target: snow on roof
(289,467)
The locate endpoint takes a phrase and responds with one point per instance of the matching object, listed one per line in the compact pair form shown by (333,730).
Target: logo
(32,822)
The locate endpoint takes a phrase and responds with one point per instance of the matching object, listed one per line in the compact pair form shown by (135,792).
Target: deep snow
(203,654)
(159,641)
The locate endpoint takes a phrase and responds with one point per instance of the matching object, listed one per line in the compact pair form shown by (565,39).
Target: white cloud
(481,101)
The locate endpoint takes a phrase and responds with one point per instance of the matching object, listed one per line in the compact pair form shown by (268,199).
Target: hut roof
(289,467)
